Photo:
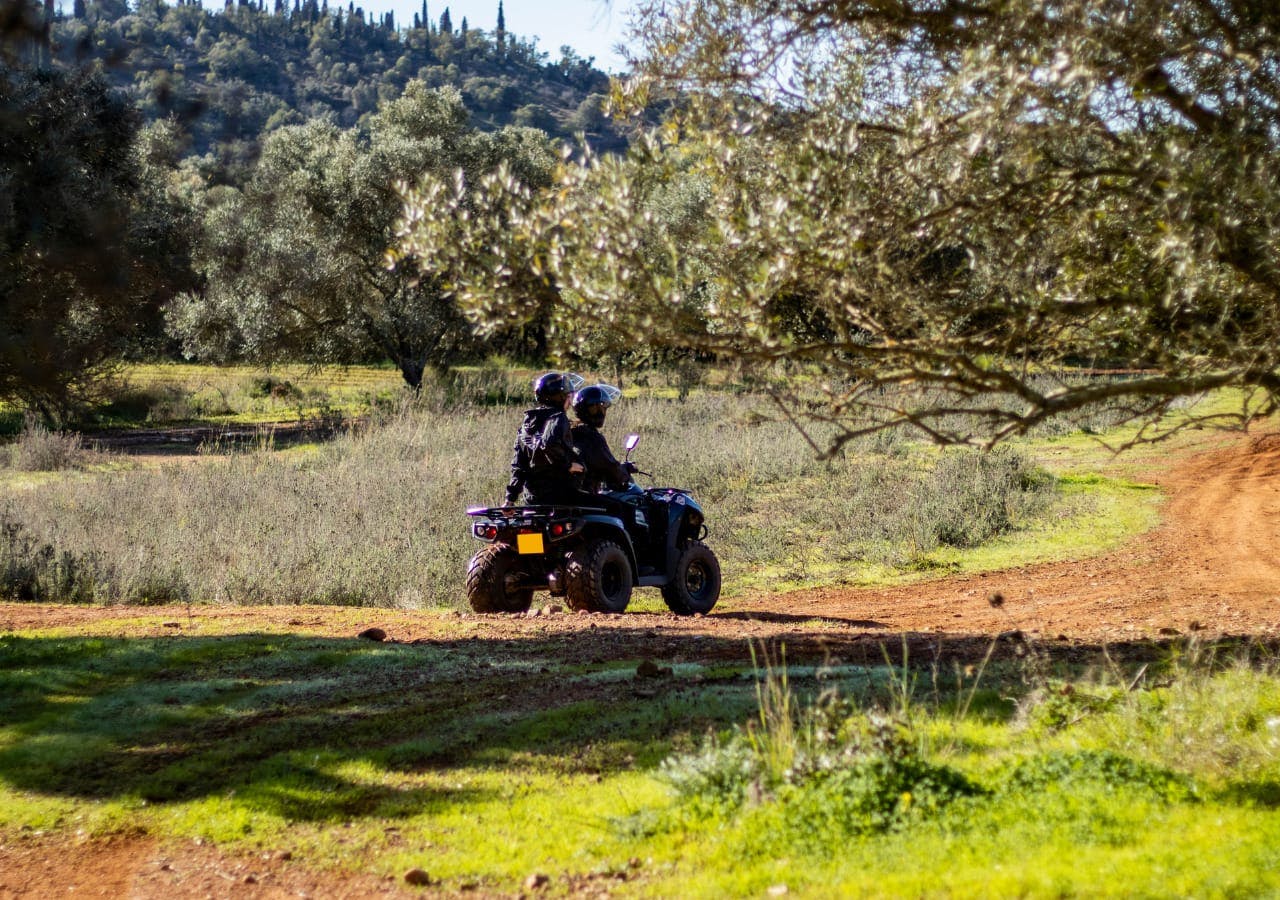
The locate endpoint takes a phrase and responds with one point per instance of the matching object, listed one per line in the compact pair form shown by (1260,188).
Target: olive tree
(296,263)
(87,240)
(945,206)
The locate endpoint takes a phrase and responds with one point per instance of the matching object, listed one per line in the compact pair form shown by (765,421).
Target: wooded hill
(232,76)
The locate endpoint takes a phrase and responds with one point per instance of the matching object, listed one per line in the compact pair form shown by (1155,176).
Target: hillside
(232,76)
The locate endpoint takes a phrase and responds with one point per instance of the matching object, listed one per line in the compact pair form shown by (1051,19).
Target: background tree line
(234,76)
(943,210)
(222,186)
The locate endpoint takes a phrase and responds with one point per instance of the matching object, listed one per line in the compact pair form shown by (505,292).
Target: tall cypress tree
(446,23)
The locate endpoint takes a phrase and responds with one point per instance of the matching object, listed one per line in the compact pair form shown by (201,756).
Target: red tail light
(557,529)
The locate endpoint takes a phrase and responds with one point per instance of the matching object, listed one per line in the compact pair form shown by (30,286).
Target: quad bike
(594,555)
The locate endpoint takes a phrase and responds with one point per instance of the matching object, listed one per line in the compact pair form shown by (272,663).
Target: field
(1051,672)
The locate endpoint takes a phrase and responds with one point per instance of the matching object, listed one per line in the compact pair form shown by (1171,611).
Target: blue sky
(590,27)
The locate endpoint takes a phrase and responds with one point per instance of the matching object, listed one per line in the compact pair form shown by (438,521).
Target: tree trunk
(412,370)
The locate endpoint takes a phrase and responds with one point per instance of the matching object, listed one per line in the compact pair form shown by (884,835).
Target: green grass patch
(1093,514)
(153,395)
(483,762)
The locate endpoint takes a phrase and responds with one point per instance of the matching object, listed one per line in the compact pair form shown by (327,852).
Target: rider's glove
(631,468)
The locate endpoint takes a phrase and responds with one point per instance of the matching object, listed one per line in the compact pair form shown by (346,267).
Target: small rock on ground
(417,876)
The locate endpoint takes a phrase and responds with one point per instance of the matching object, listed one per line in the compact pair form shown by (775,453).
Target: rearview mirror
(632,440)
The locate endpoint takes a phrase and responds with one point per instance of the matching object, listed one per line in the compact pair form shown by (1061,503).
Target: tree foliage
(83,243)
(296,263)
(231,76)
(941,205)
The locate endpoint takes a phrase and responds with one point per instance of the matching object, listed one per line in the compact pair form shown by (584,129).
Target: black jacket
(543,454)
(602,469)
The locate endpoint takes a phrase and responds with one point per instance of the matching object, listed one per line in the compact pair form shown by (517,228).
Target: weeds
(833,768)
(38,449)
(803,773)
(1217,717)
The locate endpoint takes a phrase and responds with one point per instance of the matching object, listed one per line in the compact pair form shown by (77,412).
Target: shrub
(972,497)
(1066,769)
(261,386)
(33,571)
(38,449)
(834,770)
(375,516)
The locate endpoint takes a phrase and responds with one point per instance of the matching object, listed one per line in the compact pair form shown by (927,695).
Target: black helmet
(590,403)
(553,387)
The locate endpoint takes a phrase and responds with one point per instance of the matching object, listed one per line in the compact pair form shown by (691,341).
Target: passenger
(544,463)
(602,468)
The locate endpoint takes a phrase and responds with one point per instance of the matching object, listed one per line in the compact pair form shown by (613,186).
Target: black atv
(593,556)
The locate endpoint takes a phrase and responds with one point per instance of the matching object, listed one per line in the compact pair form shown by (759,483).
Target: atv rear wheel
(493,578)
(597,577)
(695,585)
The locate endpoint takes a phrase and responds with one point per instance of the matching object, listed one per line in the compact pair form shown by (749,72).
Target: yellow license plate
(529,543)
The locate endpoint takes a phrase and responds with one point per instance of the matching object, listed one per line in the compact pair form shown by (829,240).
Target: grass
(1094,514)
(168,394)
(374,516)
(1129,797)
(483,761)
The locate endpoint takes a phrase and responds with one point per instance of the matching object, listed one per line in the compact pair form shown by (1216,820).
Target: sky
(590,27)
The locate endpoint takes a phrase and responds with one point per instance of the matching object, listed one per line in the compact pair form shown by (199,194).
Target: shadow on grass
(275,718)
(315,729)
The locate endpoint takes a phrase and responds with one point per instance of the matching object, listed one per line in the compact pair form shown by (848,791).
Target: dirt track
(1214,565)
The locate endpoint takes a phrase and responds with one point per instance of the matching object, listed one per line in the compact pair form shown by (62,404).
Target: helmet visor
(611,393)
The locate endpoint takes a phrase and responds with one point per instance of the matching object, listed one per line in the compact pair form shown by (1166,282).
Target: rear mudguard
(606,526)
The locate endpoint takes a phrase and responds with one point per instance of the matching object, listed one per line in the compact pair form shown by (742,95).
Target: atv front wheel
(597,578)
(493,579)
(695,585)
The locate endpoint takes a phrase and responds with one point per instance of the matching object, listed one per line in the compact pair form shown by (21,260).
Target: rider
(602,469)
(544,465)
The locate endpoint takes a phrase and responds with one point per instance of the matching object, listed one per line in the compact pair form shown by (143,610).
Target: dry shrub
(38,449)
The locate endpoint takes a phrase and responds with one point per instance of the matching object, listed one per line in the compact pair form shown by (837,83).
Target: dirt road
(1213,565)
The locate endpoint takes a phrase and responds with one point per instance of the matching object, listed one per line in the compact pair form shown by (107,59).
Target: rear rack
(508,513)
